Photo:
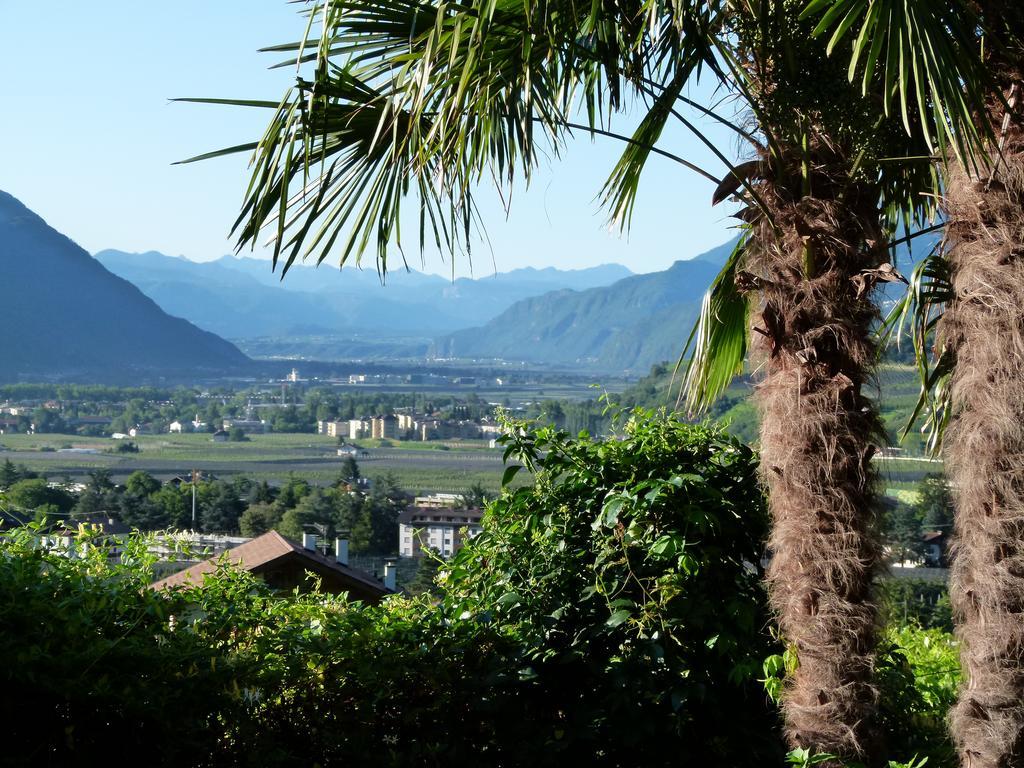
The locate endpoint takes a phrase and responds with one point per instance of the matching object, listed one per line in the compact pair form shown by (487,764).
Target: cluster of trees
(238,505)
(84,393)
(905,524)
(368,519)
(127,407)
(143,502)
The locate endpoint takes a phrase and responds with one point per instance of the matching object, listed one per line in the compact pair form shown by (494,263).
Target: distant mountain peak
(719,254)
(624,327)
(240,297)
(65,315)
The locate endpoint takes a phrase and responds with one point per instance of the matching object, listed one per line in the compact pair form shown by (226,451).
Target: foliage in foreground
(631,572)
(612,615)
(577,627)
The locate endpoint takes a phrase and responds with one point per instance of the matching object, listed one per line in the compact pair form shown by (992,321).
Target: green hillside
(625,327)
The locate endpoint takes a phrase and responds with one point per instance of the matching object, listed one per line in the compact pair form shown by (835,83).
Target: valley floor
(449,466)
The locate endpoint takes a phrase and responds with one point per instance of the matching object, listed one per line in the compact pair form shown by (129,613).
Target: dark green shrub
(610,615)
(90,667)
(630,572)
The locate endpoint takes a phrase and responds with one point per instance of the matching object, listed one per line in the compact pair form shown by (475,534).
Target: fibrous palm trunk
(984,447)
(814,272)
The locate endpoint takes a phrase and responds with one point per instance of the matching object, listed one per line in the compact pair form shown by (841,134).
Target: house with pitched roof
(284,565)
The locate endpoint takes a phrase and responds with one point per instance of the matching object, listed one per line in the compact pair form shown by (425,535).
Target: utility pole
(195,479)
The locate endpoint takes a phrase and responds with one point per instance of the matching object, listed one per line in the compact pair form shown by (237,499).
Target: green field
(434,466)
(450,466)
(200,446)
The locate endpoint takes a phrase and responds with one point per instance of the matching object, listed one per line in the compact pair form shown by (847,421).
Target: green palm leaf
(916,317)
(416,102)
(718,343)
(926,57)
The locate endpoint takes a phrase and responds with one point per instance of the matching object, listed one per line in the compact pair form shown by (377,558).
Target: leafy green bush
(630,572)
(924,602)
(611,615)
(918,676)
(90,664)
(99,666)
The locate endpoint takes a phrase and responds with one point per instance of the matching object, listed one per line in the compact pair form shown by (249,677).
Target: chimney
(309,541)
(389,574)
(341,551)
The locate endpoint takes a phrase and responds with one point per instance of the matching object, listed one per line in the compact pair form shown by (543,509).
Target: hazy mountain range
(603,318)
(627,326)
(241,298)
(63,314)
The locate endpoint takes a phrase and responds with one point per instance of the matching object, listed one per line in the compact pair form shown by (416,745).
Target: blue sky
(90,136)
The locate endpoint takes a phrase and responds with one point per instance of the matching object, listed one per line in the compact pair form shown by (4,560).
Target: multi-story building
(446,429)
(443,530)
(438,501)
(358,428)
(334,428)
(384,427)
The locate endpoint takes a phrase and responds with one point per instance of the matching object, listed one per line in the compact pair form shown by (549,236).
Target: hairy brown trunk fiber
(984,447)
(818,432)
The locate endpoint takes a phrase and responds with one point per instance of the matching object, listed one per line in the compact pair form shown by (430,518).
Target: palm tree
(983,331)
(966,310)
(403,98)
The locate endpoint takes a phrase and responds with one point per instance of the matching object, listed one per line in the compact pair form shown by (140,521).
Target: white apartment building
(384,427)
(441,529)
(358,428)
(334,428)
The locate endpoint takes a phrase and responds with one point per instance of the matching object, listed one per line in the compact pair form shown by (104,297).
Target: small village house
(285,565)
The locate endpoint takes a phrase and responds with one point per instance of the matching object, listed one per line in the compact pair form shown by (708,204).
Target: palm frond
(717,345)
(916,316)
(925,56)
(412,103)
(619,192)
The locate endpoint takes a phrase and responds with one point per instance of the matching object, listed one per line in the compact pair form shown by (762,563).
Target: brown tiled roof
(264,550)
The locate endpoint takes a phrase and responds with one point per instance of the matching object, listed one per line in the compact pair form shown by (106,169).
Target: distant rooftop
(282,563)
